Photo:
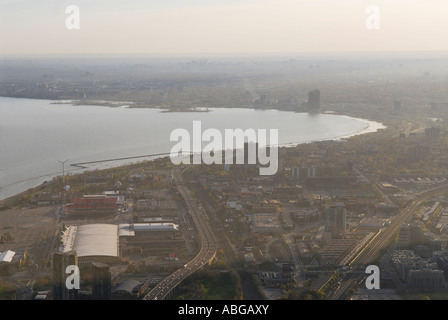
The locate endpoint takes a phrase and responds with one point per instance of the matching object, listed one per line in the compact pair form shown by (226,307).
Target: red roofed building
(93,205)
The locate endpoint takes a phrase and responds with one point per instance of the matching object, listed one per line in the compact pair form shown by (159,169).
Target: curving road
(206,237)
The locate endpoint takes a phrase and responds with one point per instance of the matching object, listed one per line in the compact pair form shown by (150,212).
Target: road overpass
(207,241)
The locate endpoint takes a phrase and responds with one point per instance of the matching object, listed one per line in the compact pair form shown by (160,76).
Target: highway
(382,240)
(206,237)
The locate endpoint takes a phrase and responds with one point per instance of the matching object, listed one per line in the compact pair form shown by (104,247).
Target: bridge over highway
(207,240)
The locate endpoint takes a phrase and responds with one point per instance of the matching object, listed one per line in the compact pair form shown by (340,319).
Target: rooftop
(96,240)
(127,286)
(7,256)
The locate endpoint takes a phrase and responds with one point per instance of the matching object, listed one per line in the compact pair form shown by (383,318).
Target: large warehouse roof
(96,240)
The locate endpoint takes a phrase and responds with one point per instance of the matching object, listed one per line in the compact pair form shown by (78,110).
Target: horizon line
(219,54)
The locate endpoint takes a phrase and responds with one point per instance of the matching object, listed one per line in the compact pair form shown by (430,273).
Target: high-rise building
(404,237)
(311,172)
(314,99)
(335,220)
(101,281)
(61,260)
(304,171)
(410,235)
(419,153)
(417,235)
(250,152)
(295,172)
(397,106)
(432,134)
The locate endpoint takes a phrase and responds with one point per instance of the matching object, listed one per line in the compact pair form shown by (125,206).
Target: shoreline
(371,126)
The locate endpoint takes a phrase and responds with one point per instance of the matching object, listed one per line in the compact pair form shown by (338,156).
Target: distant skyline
(30,27)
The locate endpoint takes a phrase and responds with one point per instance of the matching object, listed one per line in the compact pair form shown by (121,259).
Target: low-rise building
(49,199)
(130,290)
(335,251)
(93,206)
(266,223)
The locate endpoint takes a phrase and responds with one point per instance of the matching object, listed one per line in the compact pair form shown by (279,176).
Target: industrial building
(151,227)
(125,230)
(93,206)
(152,238)
(101,242)
(266,223)
(148,229)
(93,242)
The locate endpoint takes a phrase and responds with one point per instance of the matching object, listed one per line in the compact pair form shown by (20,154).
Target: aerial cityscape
(285,175)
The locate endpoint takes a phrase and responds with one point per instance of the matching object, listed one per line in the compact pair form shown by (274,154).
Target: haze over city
(243,152)
(216,27)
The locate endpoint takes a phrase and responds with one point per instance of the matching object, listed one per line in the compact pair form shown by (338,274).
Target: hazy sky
(221,26)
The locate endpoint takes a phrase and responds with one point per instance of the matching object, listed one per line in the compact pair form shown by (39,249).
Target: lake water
(34,134)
